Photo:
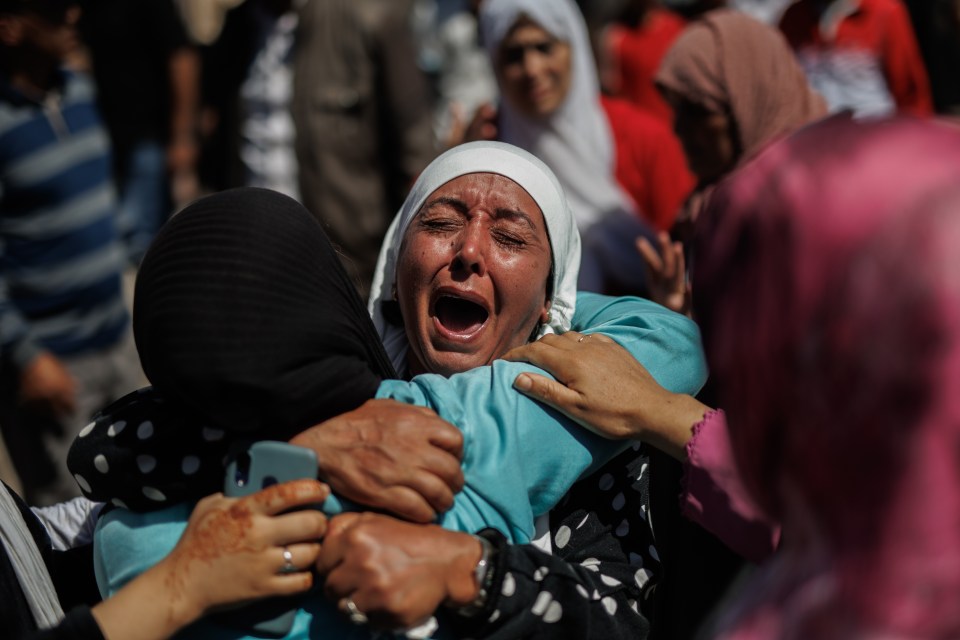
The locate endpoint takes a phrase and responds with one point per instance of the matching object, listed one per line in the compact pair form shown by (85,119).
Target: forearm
(714,497)
(680,413)
(184,68)
(148,608)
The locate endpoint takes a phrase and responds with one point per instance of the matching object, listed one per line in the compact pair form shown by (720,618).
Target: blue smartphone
(259,466)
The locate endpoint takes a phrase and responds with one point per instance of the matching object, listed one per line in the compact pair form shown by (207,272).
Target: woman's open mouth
(458,317)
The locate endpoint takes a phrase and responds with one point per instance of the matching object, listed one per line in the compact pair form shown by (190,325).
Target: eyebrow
(501,212)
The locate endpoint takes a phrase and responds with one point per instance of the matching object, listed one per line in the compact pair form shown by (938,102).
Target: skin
(395,571)
(481,238)
(592,373)
(231,551)
(707,138)
(533,69)
(666,273)
(391,456)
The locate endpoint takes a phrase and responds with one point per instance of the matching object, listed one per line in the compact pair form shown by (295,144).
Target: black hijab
(249,329)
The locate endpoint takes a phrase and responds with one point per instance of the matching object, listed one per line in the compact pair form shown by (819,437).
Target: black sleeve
(78,624)
(598,582)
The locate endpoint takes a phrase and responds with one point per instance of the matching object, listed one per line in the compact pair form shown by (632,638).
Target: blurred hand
(390,456)
(397,573)
(666,273)
(232,548)
(602,387)
(483,126)
(47,386)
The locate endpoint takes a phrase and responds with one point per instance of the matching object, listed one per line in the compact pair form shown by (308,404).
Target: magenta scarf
(828,288)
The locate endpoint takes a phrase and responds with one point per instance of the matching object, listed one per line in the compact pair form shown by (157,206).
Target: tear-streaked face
(472,274)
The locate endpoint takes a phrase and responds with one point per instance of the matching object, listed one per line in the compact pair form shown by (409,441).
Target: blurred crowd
(116,114)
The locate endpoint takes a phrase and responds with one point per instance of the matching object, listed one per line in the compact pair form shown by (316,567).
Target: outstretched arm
(601,386)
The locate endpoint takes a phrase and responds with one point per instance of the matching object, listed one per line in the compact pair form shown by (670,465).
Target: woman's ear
(545,314)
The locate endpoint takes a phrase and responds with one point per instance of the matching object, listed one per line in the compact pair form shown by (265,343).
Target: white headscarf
(575,141)
(536,179)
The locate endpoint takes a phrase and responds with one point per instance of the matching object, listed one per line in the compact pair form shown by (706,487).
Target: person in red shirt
(860,55)
(631,53)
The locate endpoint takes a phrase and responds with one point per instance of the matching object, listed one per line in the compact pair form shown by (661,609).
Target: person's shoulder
(630,121)
(894,9)
(666,21)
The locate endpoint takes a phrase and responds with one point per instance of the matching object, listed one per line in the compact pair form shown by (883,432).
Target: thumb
(550,392)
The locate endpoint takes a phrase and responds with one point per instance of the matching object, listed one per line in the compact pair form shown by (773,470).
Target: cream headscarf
(575,141)
(536,179)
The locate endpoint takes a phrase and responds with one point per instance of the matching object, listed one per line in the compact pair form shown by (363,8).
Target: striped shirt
(60,254)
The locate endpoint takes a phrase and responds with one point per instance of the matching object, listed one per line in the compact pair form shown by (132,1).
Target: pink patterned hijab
(729,63)
(828,287)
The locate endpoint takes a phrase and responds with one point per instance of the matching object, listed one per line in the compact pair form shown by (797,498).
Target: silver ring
(287,562)
(353,612)
(582,338)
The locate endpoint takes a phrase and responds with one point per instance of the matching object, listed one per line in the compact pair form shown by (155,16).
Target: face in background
(707,138)
(472,274)
(534,70)
(47,28)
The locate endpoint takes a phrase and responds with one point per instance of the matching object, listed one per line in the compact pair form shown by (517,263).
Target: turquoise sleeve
(666,343)
(520,456)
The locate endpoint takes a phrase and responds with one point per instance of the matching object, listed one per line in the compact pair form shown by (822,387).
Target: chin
(451,363)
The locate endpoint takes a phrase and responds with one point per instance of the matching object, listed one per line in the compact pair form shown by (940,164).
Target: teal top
(520,457)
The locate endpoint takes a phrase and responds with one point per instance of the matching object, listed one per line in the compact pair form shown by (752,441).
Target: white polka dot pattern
(509,585)
(100,462)
(146,463)
(642,577)
(618,502)
(606,482)
(609,604)
(609,581)
(190,465)
(212,435)
(114,429)
(154,494)
(623,529)
(86,430)
(145,430)
(82,482)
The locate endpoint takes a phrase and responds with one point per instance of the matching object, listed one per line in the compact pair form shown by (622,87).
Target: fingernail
(523,382)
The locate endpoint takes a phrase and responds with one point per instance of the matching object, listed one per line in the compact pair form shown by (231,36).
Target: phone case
(264,464)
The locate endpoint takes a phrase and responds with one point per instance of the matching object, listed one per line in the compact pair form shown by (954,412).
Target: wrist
(483,576)
(464,579)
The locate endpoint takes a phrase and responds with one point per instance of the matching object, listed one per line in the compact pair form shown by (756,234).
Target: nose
(470,251)
(532,62)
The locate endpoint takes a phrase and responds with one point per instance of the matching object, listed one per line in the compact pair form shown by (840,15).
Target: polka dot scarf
(249,329)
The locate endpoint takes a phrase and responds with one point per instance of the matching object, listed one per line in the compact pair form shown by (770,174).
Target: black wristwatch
(484,573)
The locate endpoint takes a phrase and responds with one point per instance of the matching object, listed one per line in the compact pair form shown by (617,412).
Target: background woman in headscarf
(828,292)
(735,86)
(622,170)
(214,359)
